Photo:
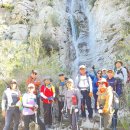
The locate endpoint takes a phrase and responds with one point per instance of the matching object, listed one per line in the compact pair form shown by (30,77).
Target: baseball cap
(82,66)
(31,85)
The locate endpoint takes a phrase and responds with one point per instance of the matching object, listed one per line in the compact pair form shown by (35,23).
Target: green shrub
(9,7)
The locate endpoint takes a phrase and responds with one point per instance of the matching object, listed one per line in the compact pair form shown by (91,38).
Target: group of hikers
(72,97)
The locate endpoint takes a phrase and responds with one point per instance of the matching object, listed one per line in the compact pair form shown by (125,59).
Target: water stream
(81,32)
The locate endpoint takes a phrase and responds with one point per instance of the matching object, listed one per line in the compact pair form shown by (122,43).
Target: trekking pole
(100,112)
(76,118)
(61,120)
(52,115)
(36,122)
(100,122)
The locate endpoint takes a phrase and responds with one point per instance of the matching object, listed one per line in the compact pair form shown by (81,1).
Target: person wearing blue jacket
(116,84)
(95,78)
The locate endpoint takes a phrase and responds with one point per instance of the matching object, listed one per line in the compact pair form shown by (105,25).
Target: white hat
(104,69)
(31,85)
(70,80)
(34,71)
(82,66)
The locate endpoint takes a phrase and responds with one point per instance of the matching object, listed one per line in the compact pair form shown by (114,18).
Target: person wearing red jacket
(47,92)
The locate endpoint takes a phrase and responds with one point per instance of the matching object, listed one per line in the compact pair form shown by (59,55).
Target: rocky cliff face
(69,32)
(100,31)
(111,21)
(33,33)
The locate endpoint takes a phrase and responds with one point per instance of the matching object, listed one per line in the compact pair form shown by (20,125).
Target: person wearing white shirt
(84,83)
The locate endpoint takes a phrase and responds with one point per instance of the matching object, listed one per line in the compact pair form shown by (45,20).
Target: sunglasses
(35,73)
(101,83)
(31,88)
(13,83)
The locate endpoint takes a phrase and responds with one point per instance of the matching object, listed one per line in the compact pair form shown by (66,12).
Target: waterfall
(92,30)
(82,36)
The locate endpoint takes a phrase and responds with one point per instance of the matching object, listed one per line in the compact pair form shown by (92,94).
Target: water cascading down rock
(79,32)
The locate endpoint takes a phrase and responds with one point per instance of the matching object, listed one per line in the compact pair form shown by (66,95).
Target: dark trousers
(60,105)
(47,113)
(86,99)
(114,119)
(95,98)
(29,118)
(13,113)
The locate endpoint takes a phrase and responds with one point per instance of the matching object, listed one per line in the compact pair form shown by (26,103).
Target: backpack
(115,101)
(128,75)
(87,76)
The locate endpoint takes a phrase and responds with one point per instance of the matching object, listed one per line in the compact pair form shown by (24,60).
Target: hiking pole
(61,120)
(76,118)
(36,122)
(100,112)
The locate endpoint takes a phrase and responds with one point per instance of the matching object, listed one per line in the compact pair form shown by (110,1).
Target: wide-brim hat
(110,71)
(102,80)
(119,61)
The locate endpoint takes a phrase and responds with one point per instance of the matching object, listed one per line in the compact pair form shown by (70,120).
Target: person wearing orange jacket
(104,102)
(33,79)
(47,93)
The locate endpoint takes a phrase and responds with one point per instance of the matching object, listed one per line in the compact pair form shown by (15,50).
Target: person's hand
(36,106)
(90,94)
(105,110)
(76,110)
(3,113)
(63,110)
(93,67)
(50,98)
(100,111)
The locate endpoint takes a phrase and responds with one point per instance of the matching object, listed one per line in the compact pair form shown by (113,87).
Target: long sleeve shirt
(68,98)
(29,101)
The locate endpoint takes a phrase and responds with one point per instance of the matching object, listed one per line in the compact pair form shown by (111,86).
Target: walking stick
(100,122)
(61,120)
(100,112)
(36,122)
(76,118)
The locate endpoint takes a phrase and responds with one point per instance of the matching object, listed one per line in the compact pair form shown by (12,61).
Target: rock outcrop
(79,31)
